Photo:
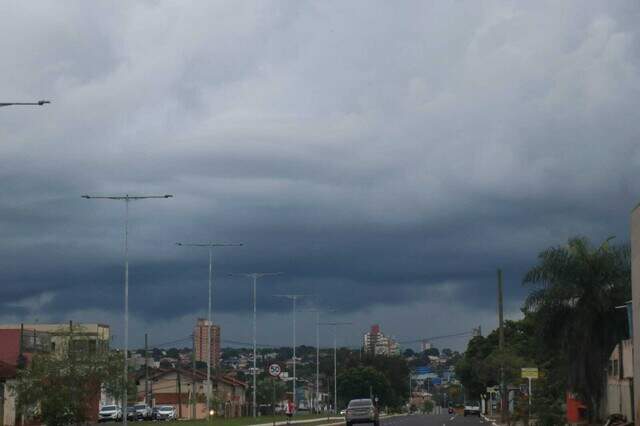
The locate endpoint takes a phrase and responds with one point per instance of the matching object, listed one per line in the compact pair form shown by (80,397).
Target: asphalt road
(433,420)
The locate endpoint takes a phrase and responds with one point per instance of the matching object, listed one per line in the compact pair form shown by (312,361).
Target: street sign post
(275,370)
(530,374)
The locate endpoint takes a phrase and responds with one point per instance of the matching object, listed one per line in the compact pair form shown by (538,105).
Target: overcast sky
(387,157)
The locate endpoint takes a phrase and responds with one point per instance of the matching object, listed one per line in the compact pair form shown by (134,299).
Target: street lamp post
(294,298)
(335,360)
(317,312)
(254,276)
(210,246)
(39,103)
(127,199)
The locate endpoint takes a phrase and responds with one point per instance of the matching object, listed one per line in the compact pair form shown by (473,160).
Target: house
(95,336)
(7,398)
(19,343)
(619,393)
(186,390)
(17,347)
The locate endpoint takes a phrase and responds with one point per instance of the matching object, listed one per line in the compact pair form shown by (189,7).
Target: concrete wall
(9,406)
(635,279)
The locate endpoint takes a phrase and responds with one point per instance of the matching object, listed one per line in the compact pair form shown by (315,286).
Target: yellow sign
(529,373)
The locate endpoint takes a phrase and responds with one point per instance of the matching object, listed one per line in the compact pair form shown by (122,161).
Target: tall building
(200,335)
(376,343)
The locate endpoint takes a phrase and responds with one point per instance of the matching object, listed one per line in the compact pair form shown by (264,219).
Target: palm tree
(576,290)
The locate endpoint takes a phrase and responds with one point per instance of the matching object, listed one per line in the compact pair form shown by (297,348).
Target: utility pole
(127,199)
(179,391)
(254,277)
(146,369)
(335,360)
(193,381)
(210,246)
(503,391)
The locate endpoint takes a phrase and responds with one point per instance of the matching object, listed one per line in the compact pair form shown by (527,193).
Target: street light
(293,298)
(335,359)
(209,246)
(317,312)
(40,103)
(254,276)
(127,199)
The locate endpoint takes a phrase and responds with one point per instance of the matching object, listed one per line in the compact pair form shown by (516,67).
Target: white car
(164,412)
(472,408)
(110,413)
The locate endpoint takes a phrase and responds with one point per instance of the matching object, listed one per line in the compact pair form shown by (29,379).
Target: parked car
(131,412)
(143,412)
(110,412)
(472,408)
(164,412)
(362,411)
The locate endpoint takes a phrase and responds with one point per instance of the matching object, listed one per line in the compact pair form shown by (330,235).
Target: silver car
(362,411)
(109,412)
(164,412)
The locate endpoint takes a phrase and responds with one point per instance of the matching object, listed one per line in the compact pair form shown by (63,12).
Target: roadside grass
(246,421)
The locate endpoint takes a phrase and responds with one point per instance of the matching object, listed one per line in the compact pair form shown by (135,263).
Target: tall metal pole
(127,199)
(39,103)
(335,359)
(294,352)
(335,368)
(210,247)
(503,390)
(293,298)
(125,398)
(254,277)
(209,325)
(317,404)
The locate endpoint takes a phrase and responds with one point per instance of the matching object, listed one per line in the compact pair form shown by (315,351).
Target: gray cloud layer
(381,154)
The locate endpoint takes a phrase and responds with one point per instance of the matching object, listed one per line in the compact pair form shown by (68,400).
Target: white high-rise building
(376,343)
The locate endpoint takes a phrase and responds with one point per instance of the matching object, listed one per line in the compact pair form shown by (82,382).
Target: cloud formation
(382,155)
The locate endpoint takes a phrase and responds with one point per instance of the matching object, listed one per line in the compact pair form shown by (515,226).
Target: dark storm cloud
(380,155)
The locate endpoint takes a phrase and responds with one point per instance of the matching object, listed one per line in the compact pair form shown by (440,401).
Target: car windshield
(108,408)
(141,407)
(360,403)
(165,408)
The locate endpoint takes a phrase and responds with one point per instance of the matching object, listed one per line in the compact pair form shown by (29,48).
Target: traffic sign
(275,370)
(529,373)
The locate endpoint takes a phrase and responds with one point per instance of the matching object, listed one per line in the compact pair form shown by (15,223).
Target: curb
(294,422)
(487,419)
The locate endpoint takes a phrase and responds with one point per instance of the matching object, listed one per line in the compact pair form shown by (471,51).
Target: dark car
(362,411)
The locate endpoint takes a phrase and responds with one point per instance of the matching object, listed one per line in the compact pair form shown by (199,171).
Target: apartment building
(200,335)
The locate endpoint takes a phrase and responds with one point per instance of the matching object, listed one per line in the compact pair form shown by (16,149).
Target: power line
(444,336)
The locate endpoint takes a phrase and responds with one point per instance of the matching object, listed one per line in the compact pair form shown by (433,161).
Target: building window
(615,367)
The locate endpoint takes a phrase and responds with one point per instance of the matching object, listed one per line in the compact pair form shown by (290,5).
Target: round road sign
(274,370)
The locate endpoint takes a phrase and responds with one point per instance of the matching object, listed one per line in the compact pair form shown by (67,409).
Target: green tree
(576,290)
(268,391)
(58,388)
(360,382)
(427,407)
